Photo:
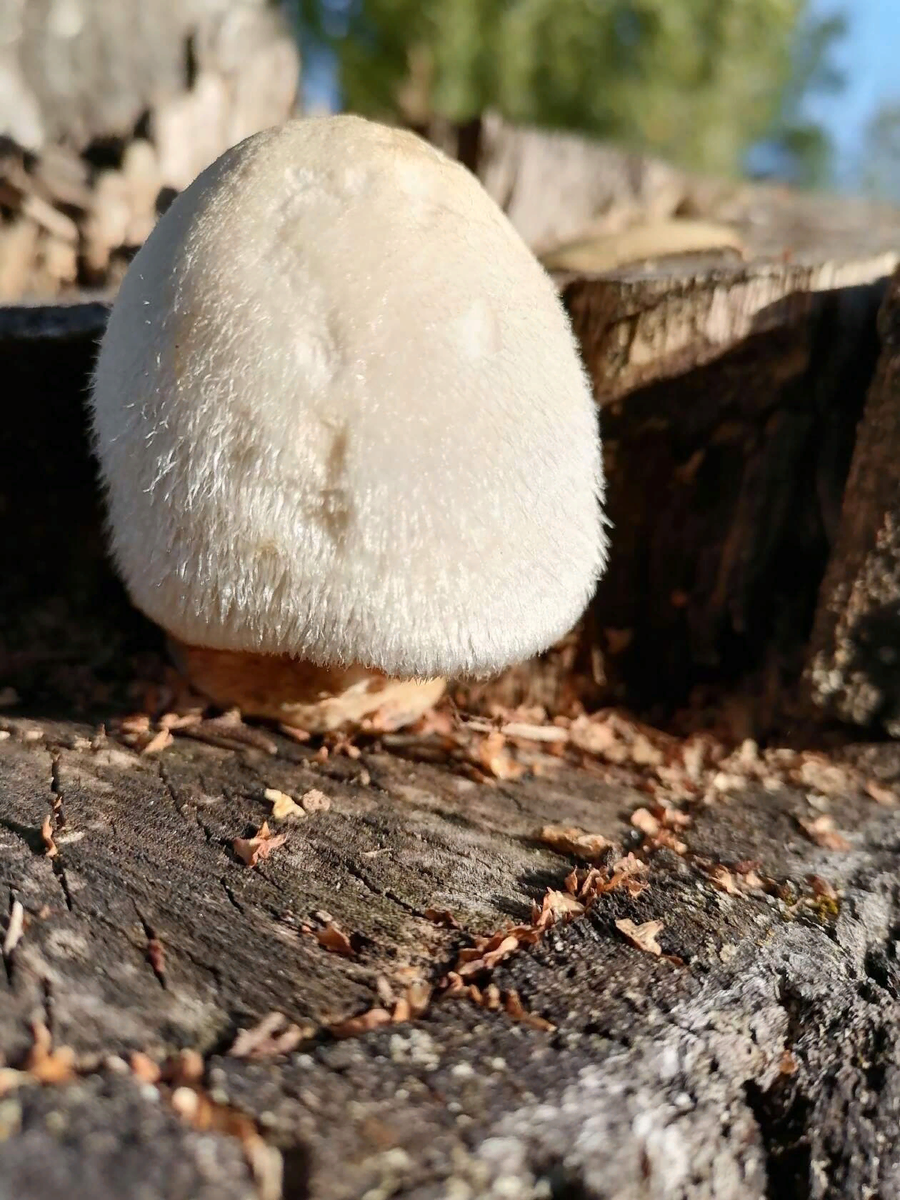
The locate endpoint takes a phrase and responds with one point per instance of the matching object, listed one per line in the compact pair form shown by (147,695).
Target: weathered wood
(760,1067)
(854,667)
(729,400)
(755,1061)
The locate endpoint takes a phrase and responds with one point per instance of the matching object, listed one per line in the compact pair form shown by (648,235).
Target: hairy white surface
(340,414)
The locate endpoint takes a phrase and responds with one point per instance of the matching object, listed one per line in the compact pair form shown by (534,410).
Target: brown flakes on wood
(315,801)
(556,906)
(881,794)
(642,936)
(514,1008)
(159,741)
(254,849)
(822,888)
(144,1068)
(274,1035)
(156,956)
(51,849)
(821,774)
(335,940)
(571,840)
(493,756)
(284,806)
(14,929)
(364,1023)
(822,831)
(723,879)
(442,917)
(45,1064)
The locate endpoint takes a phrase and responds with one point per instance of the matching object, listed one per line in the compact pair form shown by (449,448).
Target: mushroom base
(303,695)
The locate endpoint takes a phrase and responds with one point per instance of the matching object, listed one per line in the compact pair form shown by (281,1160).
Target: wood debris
(642,936)
(14,929)
(51,850)
(570,840)
(315,801)
(284,807)
(822,831)
(46,1064)
(271,1037)
(373,1018)
(335,940)
(258,847)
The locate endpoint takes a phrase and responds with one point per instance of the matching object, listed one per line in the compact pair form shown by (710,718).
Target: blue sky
(870,59)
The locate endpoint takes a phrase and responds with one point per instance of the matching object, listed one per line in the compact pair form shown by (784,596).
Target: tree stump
(488,957)
(854,669)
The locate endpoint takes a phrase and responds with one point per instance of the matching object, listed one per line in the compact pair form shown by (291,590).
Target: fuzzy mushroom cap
(340,414)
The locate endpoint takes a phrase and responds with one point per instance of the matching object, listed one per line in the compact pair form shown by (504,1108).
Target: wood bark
(853,671)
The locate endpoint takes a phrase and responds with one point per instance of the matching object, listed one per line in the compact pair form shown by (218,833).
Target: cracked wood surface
(762,1067)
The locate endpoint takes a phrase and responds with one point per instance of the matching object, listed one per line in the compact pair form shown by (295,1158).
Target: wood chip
(364,1023)
(284,806)
(144,1068)
(335,940)
(159,741)
(642,936)
(881,794)
(823,833)
(254,849)
(514,1008)
(45,1064)
(315,801)
(14,929)
(51,848)
(274,1035)
(570,840)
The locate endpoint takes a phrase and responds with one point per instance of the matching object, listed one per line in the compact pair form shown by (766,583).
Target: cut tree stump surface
(754,1057)
(761,1065)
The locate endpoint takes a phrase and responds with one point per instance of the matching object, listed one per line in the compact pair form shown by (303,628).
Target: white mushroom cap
(340,414)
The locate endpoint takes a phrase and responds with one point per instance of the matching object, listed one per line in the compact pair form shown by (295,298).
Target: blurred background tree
(699,82)
(881,154)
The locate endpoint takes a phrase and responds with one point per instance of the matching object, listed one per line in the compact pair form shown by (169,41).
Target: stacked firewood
(83,180)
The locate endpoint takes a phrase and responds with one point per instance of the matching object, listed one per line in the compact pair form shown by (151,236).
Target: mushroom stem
(301,694)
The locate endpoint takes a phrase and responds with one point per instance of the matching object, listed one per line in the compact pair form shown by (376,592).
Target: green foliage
(697,81)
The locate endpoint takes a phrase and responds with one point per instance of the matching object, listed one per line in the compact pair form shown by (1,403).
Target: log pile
(95,142)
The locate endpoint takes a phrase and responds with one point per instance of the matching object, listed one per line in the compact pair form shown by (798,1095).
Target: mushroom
(348,445)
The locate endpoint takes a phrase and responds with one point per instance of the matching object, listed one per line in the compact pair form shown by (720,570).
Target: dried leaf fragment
(254,849)
(160,740)
(364,1023)
(45,1064)
(642,936)
(823,833)
(571,840)
(272,1036)
(494,757)
(514,1008)
(335,940)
